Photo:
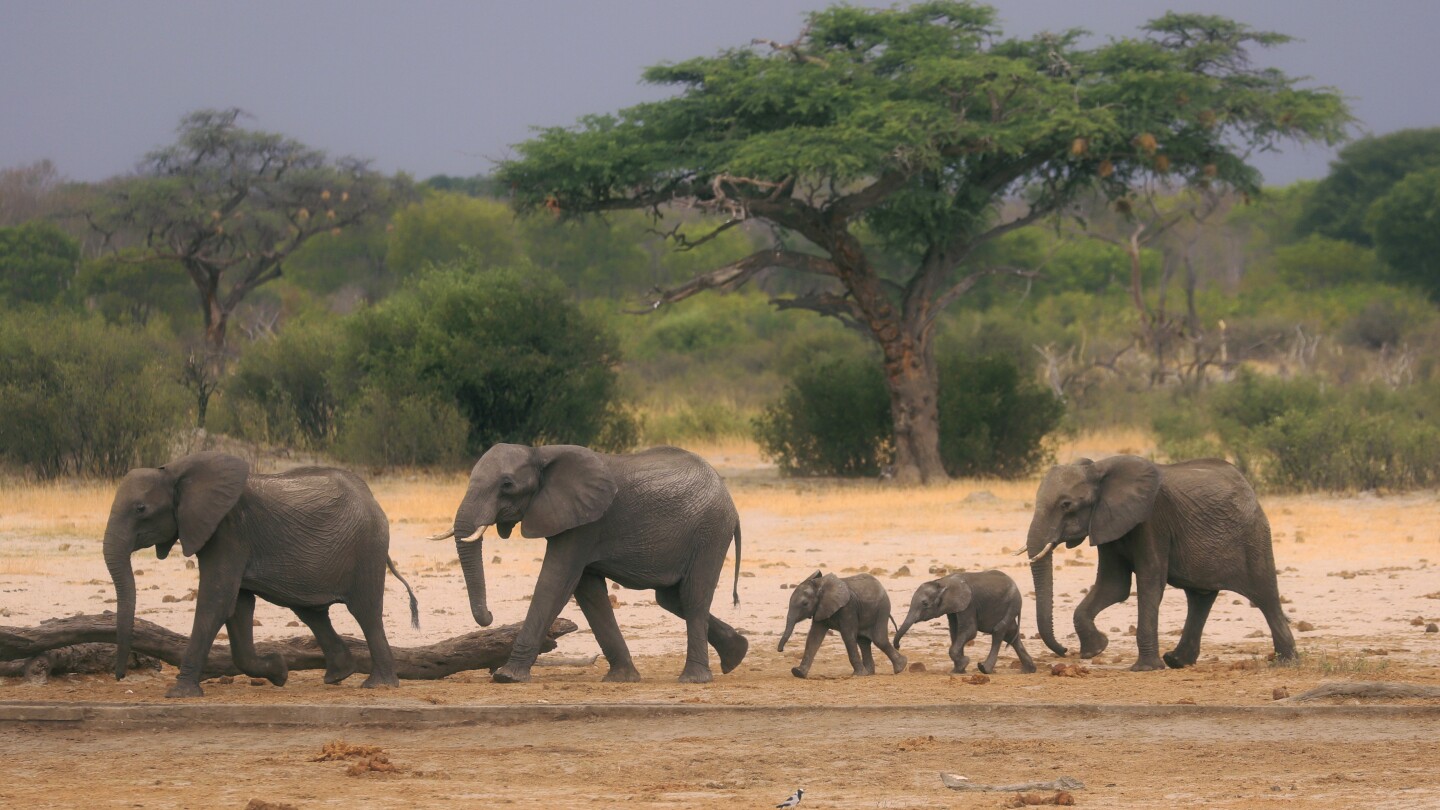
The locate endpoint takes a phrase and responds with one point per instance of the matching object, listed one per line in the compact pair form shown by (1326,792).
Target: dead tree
(481,649)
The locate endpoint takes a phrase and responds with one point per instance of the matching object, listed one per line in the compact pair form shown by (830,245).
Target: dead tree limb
(1366,689)
(481,649)
(957,782)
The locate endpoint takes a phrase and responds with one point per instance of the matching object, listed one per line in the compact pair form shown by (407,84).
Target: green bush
(511,352)
(281,392)
(834,419)
(383,429)
(78,397)
(993,421)
(1298,435)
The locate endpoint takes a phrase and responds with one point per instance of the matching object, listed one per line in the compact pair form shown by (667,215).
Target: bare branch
(733,276)
(840,307)
(953,294)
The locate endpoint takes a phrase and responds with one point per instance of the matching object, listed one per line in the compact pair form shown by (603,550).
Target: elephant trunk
(910,619)
(1042,572)
(473,565)
(117,560)
(790,622)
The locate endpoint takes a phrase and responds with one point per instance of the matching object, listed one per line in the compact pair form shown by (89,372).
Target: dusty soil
(1359,570)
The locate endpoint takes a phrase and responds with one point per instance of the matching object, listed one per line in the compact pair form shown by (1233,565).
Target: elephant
(1196,525)
(984,600)
(856,606)
(659,519)
(303,539)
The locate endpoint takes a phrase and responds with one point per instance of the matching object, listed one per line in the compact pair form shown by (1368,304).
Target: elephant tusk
(443,536)
(479,534)
(1018,553)
(1044,552)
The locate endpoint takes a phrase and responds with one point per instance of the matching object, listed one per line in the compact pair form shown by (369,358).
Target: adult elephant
(658,519)
(1195,525)
(303,539)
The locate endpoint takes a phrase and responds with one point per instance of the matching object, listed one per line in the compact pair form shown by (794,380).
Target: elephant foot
(696,674)
(1028,669)
(1177,660)
(862,673)
(280,672)
(336,674)
(511,674)
(900,663)
(1287,658)
(1090,648)
(1147,664)
(184,689)
(622,675)
(376,681)
(988,669)
(798,672)
(733,653)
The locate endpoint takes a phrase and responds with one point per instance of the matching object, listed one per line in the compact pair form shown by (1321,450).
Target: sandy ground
(1359,570)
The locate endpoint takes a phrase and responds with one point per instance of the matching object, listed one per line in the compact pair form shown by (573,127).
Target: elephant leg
(997,637)
(1268,600)
(898,661)
(339,663)
(695,602)
(220,572)
(727,641)
(813,639)
(559,576)
(962,634)
(1150,589)
(1112,585)
(241,626)
(1188,649)
(1027,664)
(369,613)
(852,651)
(867,658)
(594,602)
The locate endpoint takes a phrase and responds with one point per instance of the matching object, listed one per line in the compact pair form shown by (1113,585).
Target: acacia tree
(904,130)
(230,205)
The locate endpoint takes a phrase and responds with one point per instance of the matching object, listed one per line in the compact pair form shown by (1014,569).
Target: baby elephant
(986,600)
(856,606)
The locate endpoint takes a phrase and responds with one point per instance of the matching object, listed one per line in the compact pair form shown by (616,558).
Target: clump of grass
(1329,663)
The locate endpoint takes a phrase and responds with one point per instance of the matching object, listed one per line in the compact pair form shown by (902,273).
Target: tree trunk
(914,386)
(482,649)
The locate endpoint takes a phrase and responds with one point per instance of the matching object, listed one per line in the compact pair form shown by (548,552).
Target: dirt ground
(1358,570)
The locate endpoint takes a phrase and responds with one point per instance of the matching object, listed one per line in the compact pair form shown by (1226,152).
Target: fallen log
(481,649)
(76,659)
(958,782)
(1366,689)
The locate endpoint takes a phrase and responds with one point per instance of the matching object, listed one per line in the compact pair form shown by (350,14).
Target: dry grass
(65,508)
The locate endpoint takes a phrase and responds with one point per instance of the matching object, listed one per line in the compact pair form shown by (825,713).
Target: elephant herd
(662,519)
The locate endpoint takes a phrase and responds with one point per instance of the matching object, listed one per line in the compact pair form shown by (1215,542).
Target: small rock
(260,804)
(917,666)
(189,565)
(978,679)
(784,586)
(939,570)
(614,586)
(747,573)
(902,571)
(222,636)
(1279,693)
(256,623)
(1069,670)
(878,572)
(292,623)
(1304,627)
(1432,627)
(1236,602)
(1418,621)
(615,601)
(139,572)
(495,560)
(258,682)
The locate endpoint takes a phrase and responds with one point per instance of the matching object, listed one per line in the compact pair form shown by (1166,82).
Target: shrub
(992,421)
(512,353)
(281,391)
(384,429)
(78,397)
(834,419)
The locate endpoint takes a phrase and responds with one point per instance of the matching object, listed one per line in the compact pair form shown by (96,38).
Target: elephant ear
(207,487)
(955,596)
(575,488)
(1127,486)
(834,593)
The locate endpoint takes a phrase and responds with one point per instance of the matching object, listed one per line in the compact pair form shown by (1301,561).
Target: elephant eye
(507,486)
(1067,505)
(140,508)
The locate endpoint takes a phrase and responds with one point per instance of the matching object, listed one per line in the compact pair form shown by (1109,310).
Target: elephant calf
(856,606)
(984,600)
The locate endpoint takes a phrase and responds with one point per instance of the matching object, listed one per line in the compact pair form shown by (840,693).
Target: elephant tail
(735,589)
(893,624)
(414,603)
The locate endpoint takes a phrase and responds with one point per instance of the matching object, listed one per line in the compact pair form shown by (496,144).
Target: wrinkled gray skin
(1195,525)
(658,519)
(980,601)
(857,607)
(303,539)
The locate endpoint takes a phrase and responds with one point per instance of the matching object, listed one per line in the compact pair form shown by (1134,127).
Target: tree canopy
(1406,227)
(1364,172)
(910,126)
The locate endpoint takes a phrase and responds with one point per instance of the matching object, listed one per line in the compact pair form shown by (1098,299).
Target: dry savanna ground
(1357,571)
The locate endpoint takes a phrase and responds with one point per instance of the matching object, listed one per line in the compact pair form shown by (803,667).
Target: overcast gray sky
(435,87)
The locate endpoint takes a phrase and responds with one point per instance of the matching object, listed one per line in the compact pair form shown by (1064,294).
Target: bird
(794,800)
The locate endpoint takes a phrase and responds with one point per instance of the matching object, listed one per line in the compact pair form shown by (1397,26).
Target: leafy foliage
(392,429)
(281,391)
(37,263)
(446,227)
(1406,227)
(127,289)
(80,397)
(1364,172)
(993,422)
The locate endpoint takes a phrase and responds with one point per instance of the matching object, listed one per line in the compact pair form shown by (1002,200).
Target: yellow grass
(73,508)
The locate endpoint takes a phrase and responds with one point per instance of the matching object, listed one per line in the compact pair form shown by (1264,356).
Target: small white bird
(794,800)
